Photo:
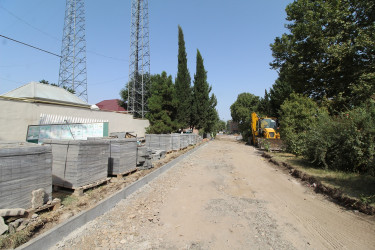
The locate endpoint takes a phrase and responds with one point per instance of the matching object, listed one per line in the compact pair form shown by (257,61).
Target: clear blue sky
(232,36)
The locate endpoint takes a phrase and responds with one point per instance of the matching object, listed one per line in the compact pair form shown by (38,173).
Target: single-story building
(110,105)
(40,104)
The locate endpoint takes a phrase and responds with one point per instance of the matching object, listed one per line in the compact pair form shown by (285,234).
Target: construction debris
(3,226)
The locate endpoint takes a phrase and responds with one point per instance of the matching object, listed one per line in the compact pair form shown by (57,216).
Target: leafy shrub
(344,142)
(298,116)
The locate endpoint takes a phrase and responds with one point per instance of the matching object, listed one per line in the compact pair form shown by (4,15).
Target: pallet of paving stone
(79,191)
(196,138)
(122,155)
(165,142)
(191,139)
(176,143)
(24,167)
(184,141)
(153,141)
(127,172)
(76,163)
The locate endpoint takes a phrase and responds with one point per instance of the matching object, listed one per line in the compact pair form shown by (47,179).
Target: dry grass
(361,187)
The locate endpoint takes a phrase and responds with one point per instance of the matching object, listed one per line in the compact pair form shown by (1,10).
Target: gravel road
(225,196)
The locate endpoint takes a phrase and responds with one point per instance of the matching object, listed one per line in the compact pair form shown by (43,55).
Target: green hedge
(343,142)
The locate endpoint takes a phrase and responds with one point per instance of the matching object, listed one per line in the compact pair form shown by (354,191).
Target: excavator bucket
(270,144)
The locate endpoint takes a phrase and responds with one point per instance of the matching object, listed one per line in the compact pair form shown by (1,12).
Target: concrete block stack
(24,167)
(78,163)
(123,156)
(184,140)
(191,139)
(152,141)
(166,142)
(176,143)
(195,139)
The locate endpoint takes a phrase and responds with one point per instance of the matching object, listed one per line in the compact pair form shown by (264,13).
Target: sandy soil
(225,196)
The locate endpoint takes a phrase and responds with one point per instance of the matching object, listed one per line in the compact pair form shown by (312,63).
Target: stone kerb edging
(56,234)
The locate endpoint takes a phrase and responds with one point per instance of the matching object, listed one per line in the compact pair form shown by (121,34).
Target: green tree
(54,84)
(265,105)
(221,125)
(183,82)
(123,102)
(212,116)
(162,105)
(329,51)
(279,92)
(298,116)
(241,110)
(201,99)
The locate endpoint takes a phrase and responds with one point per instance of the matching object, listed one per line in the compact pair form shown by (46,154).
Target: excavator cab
(265,132)
(268,128)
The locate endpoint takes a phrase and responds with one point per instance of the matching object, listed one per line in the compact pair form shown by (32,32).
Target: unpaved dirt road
(225,196)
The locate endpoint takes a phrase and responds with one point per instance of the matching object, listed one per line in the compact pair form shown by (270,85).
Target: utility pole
(73,72)
(139,67)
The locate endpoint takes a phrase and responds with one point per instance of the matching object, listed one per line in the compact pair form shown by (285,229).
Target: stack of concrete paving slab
(152,141)
(165,142)
(78,163)
(122,155)
(176,143)
(184,140)
(24,167)
(196,139)
(191,139)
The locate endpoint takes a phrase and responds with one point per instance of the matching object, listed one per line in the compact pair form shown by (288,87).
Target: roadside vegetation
(324,96)
(177,105)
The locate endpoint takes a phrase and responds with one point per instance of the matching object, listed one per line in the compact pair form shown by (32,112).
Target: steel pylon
(139,67)
(73,73)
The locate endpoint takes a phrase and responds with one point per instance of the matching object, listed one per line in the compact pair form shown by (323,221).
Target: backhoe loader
(264,132)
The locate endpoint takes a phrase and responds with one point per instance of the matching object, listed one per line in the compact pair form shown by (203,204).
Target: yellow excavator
(264,132)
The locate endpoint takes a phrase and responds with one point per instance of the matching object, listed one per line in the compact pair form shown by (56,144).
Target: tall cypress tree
(182,83)
(201,100)
(212,116)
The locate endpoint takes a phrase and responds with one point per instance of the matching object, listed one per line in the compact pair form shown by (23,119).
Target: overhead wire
(27,23)
(14,40)
(55,38)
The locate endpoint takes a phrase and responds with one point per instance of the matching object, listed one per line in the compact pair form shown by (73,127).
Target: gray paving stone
(24,167)
(80,162)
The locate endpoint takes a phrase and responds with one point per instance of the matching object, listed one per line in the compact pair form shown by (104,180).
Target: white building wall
(15,116)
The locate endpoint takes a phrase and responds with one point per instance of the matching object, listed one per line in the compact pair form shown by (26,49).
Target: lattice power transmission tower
(73,72)
(139,68)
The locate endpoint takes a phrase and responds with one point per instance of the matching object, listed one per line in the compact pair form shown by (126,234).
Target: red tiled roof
(110,105)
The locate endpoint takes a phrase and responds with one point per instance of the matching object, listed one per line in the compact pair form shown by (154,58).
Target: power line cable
(55,38)
(110,57)
(109,81)
(27,23)
(29,45)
